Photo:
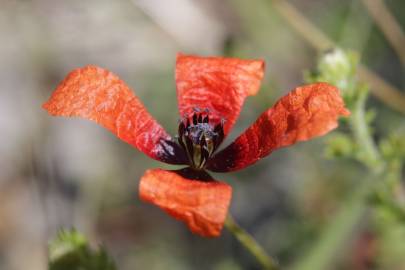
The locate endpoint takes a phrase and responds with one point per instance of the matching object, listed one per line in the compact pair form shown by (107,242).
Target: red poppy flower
(210,93)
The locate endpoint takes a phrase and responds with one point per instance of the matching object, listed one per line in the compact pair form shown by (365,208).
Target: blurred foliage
(70,250)
(384,159)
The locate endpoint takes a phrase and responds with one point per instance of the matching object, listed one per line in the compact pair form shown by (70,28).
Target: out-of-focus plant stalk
(250,244)
(388,25)
(307,30)
(338,232)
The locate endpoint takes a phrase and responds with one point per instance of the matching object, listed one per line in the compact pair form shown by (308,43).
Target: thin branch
(250,244)
(317,39)
(388,25)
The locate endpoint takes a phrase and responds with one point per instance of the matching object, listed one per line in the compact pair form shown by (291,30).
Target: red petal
(307,112)
(202,205)
(219,84)
(99,95)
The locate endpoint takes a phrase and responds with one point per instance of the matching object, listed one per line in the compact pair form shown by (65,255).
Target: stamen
(199,138)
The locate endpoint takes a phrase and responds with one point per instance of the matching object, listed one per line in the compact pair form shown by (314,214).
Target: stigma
(199,138)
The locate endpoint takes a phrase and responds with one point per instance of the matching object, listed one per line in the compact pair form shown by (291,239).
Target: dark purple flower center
(199,138)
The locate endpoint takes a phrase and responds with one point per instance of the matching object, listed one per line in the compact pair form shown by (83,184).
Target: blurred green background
(57,172)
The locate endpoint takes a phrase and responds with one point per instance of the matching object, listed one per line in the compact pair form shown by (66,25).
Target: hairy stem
(369,152)
(250,244)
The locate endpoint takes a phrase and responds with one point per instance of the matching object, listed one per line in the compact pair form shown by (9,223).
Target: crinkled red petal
(307,112)
(99,95)
(219,84)
(202,205)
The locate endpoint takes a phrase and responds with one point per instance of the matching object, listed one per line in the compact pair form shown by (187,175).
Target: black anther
(199,138)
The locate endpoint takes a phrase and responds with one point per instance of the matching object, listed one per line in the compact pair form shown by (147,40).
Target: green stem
(250,244)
